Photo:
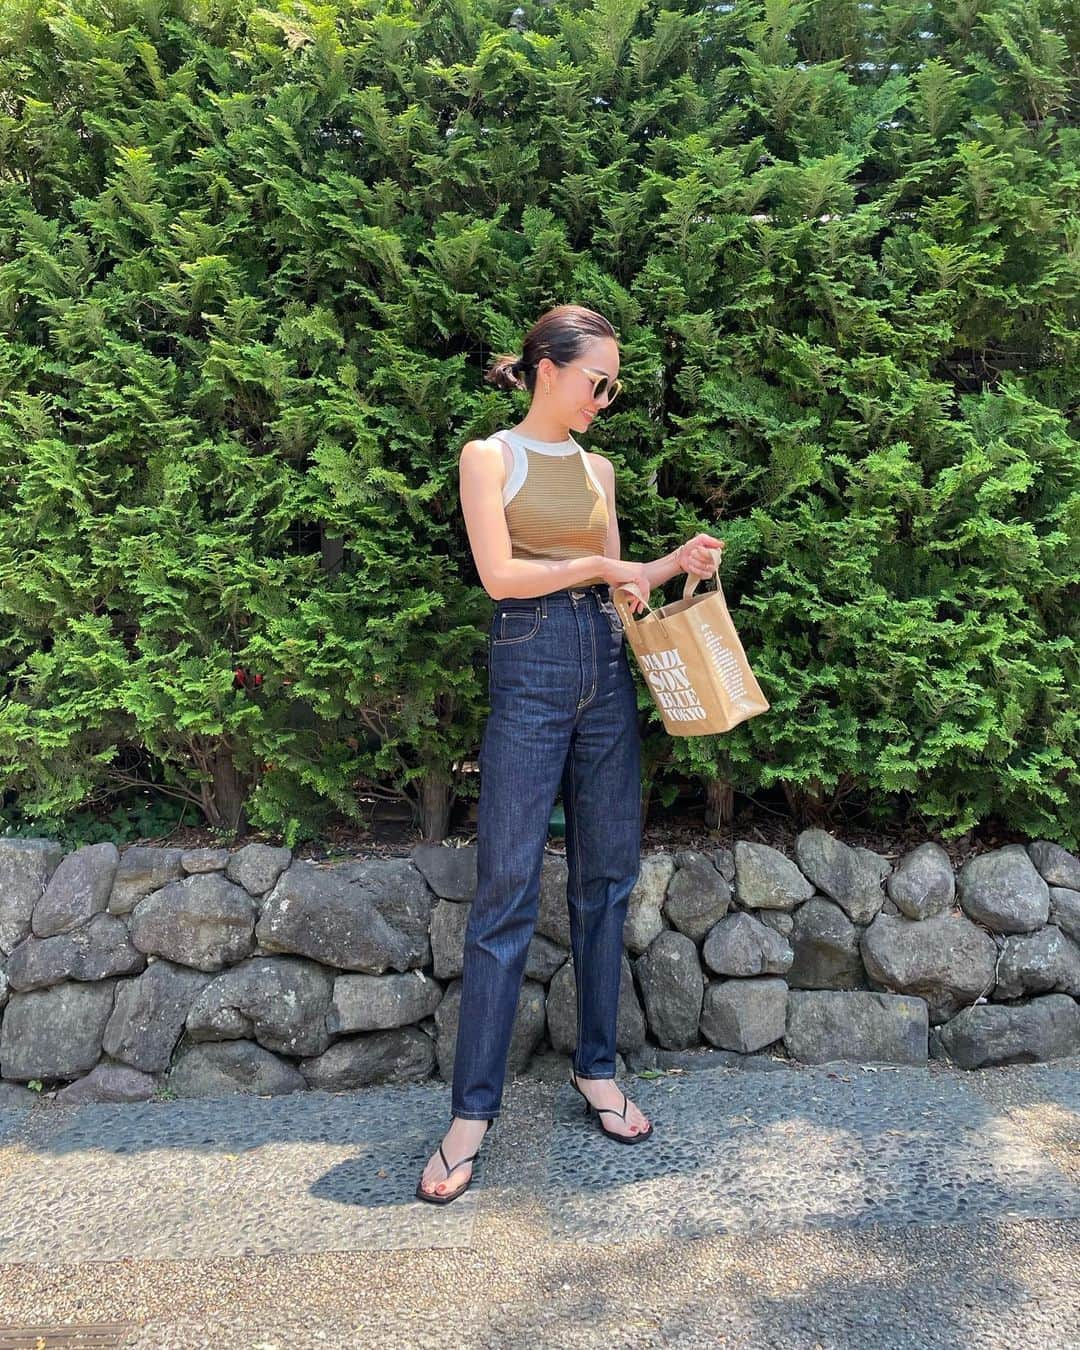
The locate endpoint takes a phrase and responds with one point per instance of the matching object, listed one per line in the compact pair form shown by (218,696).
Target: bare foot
(605,1092)
(462,1140)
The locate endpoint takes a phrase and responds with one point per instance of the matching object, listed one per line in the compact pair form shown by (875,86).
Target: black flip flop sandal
(612,1134)
(431,1197)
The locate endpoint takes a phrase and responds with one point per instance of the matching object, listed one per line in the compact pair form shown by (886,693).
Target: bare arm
(482,476)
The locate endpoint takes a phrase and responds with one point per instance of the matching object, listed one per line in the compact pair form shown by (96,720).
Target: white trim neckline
(567,447)
(519,444)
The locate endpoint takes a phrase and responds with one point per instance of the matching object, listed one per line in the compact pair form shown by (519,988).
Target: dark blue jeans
(563,714)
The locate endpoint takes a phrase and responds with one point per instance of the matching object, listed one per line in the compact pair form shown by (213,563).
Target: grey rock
(25,868)
(381,1002)
(77,890)
(322,914)
(860,1025)
(55,1032)
(643,917)
(1065,911)
(1010,1033)
(945,960)
(1003,890)
(14,1095)
(528,1028)
(107,1083)
(203,921)
(705,1056)
(697,898)
(766,879)
(1056,865)
(1044,962)
(553,916)
(94,952)
(450,872)
(149,1014)
(143,869)
(826,947)
(220,1068)
(404,1055)
(279,1001)
(744,1015)
(778,920)
(398,892)
(5,984)
(692,857)
(852,877)
(561,1009)
(672,987)
(724,862)
(923,884)
(741,945)
(194,860)
(449,919)
(257,867)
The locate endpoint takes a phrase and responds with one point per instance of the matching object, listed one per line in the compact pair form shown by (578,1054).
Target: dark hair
(561,334)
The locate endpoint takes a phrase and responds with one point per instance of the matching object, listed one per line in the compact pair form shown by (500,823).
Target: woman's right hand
(617,572)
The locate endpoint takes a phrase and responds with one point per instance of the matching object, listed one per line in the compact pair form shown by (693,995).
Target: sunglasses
(601,384)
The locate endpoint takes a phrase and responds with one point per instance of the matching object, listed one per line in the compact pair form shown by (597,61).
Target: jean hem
(475,1115)
(594,1077)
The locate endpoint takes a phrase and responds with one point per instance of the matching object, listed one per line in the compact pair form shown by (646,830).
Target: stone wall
(207,971)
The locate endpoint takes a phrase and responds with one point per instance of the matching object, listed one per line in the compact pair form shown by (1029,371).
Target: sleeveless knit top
(555,506)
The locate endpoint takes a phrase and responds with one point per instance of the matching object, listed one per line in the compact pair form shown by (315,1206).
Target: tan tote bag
(693,661)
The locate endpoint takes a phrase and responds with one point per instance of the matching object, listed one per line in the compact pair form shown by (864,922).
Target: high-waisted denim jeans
(563,714)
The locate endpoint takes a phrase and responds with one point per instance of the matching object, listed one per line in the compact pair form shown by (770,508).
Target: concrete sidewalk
(837,1205)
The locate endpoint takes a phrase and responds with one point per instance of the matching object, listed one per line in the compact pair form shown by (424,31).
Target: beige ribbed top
(555,505)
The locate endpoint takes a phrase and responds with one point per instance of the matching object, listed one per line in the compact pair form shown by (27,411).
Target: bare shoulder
(481,448)
(485,457)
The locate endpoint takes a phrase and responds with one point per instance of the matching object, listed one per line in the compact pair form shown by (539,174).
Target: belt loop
(543,607)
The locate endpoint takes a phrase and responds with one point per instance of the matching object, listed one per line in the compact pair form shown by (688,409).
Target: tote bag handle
(690,585)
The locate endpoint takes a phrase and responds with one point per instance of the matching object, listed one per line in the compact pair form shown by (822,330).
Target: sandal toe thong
(614,1134)
(432,1196)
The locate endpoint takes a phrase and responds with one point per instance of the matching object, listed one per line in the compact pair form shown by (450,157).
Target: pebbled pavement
(827,1206)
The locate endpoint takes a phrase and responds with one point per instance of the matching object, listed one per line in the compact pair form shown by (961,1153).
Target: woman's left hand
(700,555)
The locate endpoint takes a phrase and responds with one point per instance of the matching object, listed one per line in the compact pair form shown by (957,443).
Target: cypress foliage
(254,259)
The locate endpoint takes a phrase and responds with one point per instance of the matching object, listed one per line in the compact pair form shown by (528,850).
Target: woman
(540,515)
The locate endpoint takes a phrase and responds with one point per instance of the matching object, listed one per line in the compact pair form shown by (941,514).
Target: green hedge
(254,262)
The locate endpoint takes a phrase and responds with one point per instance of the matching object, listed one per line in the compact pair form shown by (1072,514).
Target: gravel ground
(926,1286)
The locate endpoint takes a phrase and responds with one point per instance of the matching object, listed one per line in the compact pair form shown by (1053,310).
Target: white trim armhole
(591,472)
(518,473)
